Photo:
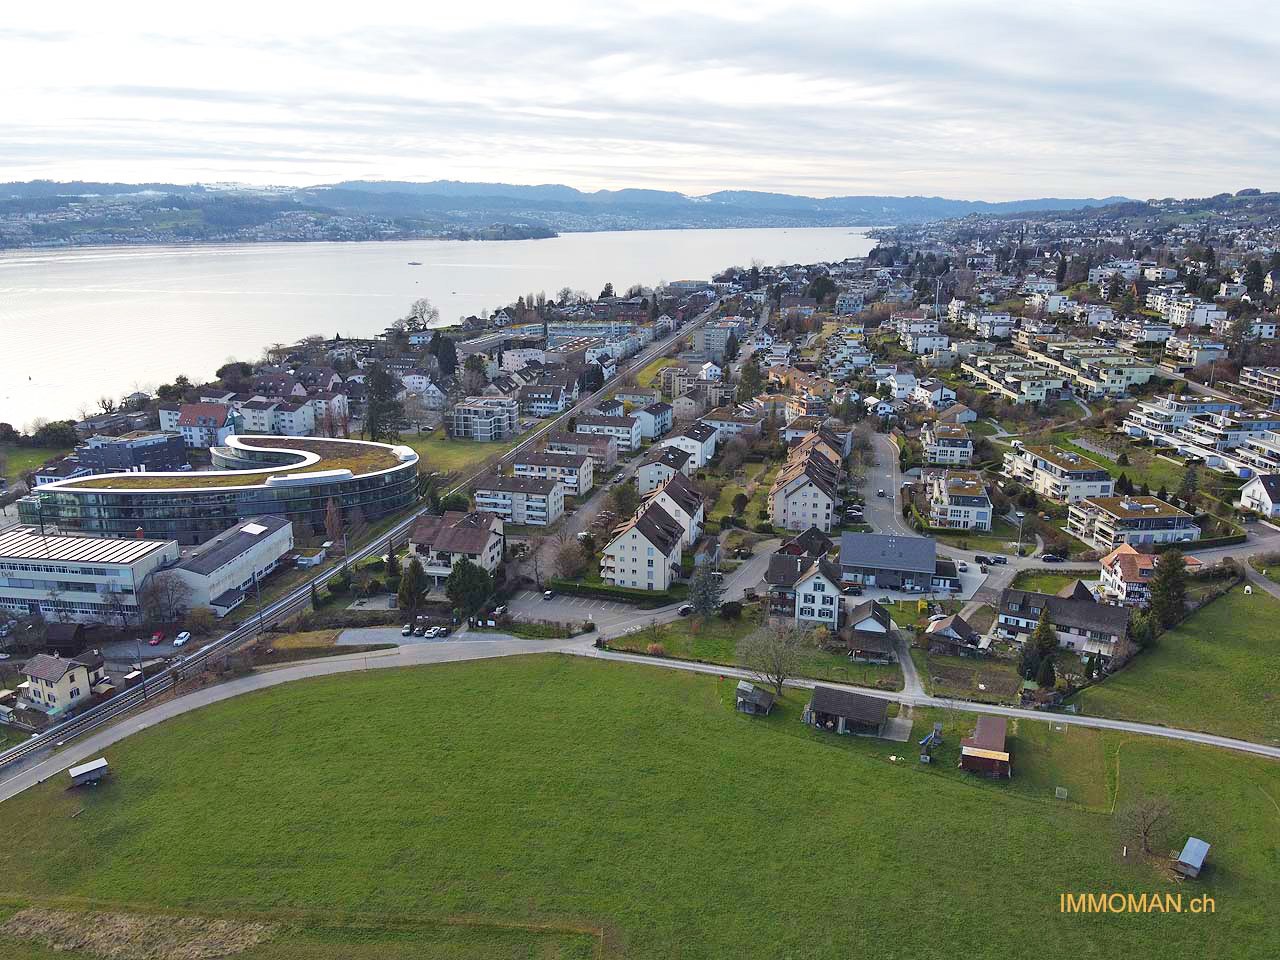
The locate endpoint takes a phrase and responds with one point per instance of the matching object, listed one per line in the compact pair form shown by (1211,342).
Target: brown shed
(985,752)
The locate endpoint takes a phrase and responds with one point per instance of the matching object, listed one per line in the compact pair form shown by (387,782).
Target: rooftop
(1133,507)
(229,545)
(25,543)
(315,456)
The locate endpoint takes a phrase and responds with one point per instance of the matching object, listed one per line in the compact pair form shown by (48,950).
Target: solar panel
(253,529)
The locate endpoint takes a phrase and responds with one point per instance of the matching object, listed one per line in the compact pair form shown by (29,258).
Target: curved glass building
(295,477)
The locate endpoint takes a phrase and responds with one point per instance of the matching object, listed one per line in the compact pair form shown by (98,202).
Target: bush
(375,586)
(656,650)
(763,528)
(730,610)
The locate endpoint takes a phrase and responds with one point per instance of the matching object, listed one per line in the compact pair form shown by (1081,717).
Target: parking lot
(528,605)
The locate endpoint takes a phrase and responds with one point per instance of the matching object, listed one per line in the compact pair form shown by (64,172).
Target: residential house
(932,393)
(574,470)
(655,419)
(52,686)
(1127,574)
(806,489)
(1107,522)
(895,562)
(871,634)
(957,413)
(440,542)
(689,405)
(732,423)
(202,425)
(603,450)
(812,543)
(637,397)
(1058,474)
(531,501)
(681,501)
(953,636)
(1262,495)
(946,443)
(958,500)
(625,430)
(609,407)
(486,419)
(644,551)
(804,589)
(698,439)
(1082,625)
(543,400)
(660,464)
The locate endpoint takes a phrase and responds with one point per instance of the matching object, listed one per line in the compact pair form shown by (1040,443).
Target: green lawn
(759,474)
(19,459)
(647,374)
(1218,672)
(717,641)
(633,803)
(440,452)
(1000,539)
(1043,581)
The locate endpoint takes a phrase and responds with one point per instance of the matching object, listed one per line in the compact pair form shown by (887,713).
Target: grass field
(716,641)
(647,374)
(440,452)
(1044,581)
(759,474)
(1218,672)
(1001,538)
(634,802)
(19,459)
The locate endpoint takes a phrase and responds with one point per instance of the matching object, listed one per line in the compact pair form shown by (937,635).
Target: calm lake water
(77,325)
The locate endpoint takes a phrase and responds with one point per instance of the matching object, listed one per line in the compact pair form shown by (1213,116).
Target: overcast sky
(961,100)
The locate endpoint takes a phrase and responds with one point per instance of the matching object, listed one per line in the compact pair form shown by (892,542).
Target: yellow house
(53,685)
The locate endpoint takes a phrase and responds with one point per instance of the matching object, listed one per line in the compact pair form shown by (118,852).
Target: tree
(468,586)
(570,563)
(201,621)
(731,347)
(1142,820)
(393,565)
(56,435)
(384,414)
(1169,589)
(623,499)
(739,504)
(421,315)
(413,587)
(1124,485)
(1122,460)
(776,654)
(705,591)
(164,596)
(333,521)
(1190,482)
(1045,675)
(606,292)
(446,355)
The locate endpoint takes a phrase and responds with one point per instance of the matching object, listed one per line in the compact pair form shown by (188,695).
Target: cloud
(973,100)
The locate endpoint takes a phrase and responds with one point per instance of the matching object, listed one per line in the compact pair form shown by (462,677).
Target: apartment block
(486,419)
(1058,474)
(522,500)
(1106,522)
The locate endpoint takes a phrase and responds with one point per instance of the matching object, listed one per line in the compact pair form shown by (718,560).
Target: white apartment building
(574,470)
(644,552)
(659,466)
(698,440)
(1057,474)
(1107,522)
(483,418)
(958,500)
(680,500)
(82,579)
(946,443)
(625,430)
(522,500)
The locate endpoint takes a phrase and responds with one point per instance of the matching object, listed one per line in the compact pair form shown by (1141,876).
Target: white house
(697,439)
(626,430)
(900,383)
(1262,495)
(655,420)
(680,499)
(710,371)
(958,500)
(440,542)
(660,465)
(644,553)
(932,393)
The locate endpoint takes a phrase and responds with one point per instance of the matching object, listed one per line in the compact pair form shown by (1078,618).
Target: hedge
(646,599)
(1202,544)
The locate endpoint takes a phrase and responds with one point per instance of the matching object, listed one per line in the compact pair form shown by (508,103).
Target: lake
(76,325)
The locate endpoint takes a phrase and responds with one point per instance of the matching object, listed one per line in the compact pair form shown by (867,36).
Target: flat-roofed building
(1107,522)
(523,500)
(603,450)
(1058,474)
(483,418)
(139,450)
(84,579)
(946,443)
(574,470)
(625,430)
(958,500)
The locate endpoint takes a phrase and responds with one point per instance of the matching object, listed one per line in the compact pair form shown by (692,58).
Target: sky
(972,100)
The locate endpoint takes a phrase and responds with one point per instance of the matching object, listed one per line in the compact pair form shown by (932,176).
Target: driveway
(562,608)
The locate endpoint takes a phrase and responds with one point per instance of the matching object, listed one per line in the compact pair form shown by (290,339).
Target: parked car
(4,656)
(158,636)
(879,493)
(406,630)
(443,631)
(685,609)
(420,630)
(937,616)
(981,558)
(153,642)
(854,591)
(548,594)
(999,559)
(962,566)
(1051,558)
(181,638)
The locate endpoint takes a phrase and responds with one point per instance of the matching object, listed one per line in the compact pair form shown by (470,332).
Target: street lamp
(1021,516)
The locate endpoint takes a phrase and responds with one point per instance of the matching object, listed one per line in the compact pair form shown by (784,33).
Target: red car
(157,638)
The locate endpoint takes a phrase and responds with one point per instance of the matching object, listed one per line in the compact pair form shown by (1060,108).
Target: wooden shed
(1191,860)
(986,752)
(843,711)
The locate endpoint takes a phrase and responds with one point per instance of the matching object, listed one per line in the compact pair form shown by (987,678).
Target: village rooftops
(669,456)
(314,459)
(543,459)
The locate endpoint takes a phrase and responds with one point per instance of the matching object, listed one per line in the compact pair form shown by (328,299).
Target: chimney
(137,534)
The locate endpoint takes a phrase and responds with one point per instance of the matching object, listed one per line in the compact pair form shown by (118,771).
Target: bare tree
(164,596)
(776,653)
(106,405)
(1142,819)
(421,314)
(570,563)
(416,410)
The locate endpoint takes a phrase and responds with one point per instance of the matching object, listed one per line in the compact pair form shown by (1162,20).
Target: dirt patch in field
(131,936)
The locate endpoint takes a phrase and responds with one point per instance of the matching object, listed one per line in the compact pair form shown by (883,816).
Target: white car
(962,566)
(938,616)
(182,638)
